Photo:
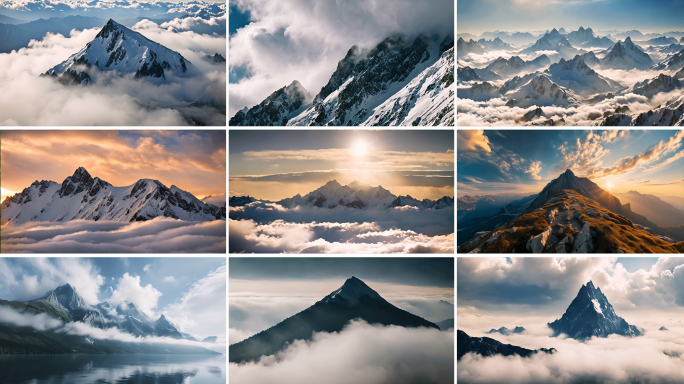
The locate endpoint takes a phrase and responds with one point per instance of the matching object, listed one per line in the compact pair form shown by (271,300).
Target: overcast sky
(273,43)
(194,161)
(191,292)
(477,16)
(524,161)
(279,164)
(265,291)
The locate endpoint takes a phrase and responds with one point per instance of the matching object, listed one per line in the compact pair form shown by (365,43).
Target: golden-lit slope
(569,222)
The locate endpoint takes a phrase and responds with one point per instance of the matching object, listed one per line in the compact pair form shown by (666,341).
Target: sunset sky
(277,164)
(194,161)
(524,161)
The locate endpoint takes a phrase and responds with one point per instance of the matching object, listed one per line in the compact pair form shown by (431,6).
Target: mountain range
(570,214)
(117,48)
(34,9)
(573,72)
(353,300)
(82,197)
(402,81)
(65,304)
(354,195)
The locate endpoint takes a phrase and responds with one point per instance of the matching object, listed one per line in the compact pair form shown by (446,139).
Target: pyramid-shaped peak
(65,287)
(628,39)
(351,293)
(554,32)
(569,172)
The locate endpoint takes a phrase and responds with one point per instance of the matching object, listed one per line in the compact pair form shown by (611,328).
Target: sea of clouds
(29,99)
(268,227)
(159,235)
(360,353)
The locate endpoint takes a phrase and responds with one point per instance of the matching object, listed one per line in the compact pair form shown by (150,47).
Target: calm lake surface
(113,369)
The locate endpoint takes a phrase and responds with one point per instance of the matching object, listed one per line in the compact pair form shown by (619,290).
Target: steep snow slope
(541,91)
(427,100)
(118,48)
(82,197)
(576,75)
(276,109)
(365,80)
(626,55)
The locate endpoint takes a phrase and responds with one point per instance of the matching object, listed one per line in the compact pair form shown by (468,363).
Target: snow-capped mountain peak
(83,197)
(626,55)
(118,48)
(65,296)
(402,81)
(590,314)
(351,292)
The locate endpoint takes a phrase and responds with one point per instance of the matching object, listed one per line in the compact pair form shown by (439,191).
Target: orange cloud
(194,161)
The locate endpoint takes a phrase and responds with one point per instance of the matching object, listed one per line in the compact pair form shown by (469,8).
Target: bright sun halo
(610,185)
(360,149)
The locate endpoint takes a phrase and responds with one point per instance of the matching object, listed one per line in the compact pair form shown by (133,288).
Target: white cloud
(32,278)
(128,289)
(39,322)
(615,359)
(170,279)
(295,40)
(342,237)
(159,235)
(146,268)
(535,168)
(202,309)
(360,353)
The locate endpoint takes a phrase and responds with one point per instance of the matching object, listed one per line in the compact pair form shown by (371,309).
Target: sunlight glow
(360,149)
(609,185)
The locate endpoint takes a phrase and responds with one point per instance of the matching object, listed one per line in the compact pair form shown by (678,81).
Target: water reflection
(113,369)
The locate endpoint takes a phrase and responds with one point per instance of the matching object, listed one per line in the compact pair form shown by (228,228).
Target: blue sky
(278,164)
(524,161)
(237,18)
(477,16)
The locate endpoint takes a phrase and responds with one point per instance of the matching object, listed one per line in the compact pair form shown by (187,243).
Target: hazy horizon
(480,16)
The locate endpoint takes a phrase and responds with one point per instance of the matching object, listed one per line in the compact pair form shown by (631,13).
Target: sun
(609,185)
(360,149)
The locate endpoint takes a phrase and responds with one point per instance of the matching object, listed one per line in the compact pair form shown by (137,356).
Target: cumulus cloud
(128,289)
(159,235)
(29,99)
(170,279)
(213,25)
(202,309)
(31,278)
(360,353)
(472,140)
(293,40)
(535,168)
